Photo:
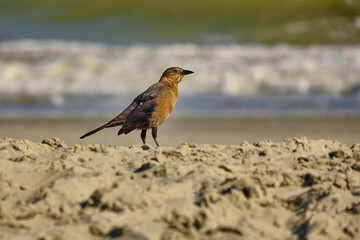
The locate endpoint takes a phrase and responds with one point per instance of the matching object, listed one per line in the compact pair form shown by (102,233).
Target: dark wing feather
(138,118)
(145,104)
(136,114)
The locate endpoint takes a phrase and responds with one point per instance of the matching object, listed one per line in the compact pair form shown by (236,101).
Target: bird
(149,109)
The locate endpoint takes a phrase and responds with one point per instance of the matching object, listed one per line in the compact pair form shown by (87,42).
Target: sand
(290,189)
(174,131)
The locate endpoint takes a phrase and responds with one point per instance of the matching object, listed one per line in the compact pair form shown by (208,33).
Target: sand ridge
(293,189)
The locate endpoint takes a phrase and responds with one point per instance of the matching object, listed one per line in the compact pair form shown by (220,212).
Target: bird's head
(174,74)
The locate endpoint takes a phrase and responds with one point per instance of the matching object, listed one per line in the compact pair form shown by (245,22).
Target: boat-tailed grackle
(151,108)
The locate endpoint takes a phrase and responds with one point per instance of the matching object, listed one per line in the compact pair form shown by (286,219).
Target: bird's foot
(145,146)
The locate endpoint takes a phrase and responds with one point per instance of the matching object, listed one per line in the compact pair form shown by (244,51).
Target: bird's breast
(163,108)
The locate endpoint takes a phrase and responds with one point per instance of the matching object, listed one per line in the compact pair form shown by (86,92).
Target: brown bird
(151,108)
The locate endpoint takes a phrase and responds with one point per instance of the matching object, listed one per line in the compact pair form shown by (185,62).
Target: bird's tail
(92,132)
(113,123)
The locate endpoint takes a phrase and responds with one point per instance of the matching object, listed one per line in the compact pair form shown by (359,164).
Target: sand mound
(294,189)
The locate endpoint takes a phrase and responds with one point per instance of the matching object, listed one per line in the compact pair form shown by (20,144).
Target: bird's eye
(175,71)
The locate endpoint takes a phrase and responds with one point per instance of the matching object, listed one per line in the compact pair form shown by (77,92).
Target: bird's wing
(146,96)
(137,113)
(134,114)
(144,105)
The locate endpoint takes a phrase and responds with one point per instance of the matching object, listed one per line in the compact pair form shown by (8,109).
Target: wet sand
(176,131)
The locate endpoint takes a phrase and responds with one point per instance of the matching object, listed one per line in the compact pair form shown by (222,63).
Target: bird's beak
(186,72)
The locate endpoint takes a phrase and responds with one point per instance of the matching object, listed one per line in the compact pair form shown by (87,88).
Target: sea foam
(54,71)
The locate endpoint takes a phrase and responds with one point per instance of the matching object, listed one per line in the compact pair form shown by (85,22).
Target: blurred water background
(250,58)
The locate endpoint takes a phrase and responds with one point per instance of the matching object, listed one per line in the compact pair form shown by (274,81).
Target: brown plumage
(151,108)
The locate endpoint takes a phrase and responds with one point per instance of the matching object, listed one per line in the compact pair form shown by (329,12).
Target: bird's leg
(154,135)
(143,135)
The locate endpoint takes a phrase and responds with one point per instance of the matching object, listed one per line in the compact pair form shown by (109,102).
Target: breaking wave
(62,73)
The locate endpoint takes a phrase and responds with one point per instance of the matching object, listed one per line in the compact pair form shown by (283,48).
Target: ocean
(258,58)
(57,78)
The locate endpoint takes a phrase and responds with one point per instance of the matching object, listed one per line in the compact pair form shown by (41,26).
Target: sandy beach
(291,189)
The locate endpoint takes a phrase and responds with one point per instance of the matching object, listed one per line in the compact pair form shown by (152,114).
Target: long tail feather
(113,123)
(92,132)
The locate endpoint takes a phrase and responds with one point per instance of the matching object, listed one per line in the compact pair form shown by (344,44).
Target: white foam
(58,68)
